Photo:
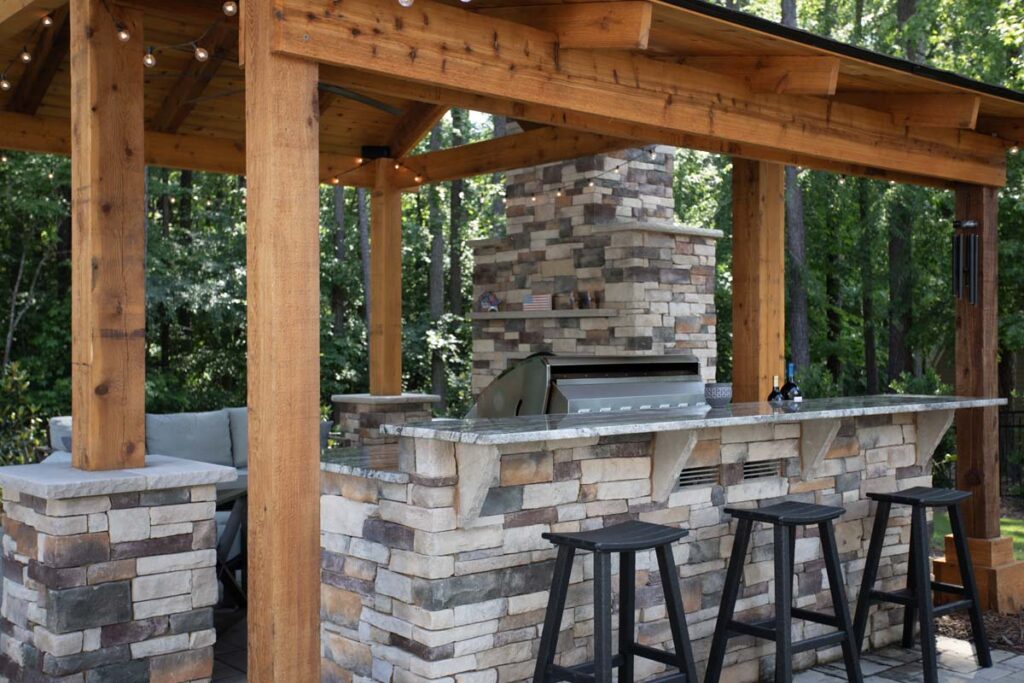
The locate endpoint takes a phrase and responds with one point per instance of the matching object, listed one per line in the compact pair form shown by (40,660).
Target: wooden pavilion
(294,93)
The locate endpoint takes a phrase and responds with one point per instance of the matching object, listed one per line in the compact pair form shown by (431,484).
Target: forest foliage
(864,240)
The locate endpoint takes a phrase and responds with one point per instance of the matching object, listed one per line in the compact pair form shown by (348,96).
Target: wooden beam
(18,15)
(1011,130)
(385,282)
(977,346)
(194,78)
(416,122)
(758,278)
(108,239)
(48,55)
(621,25)
(283,248)
(930,110)
(503,59)
(543,115)
(774,74)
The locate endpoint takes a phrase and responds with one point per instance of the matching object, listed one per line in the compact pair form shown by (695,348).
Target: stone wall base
(359,416)
(1000,577)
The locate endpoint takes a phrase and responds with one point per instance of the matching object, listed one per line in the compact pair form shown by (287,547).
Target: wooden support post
(283,256)
(758,278)
(1000,579)
(385,282)
(108,300)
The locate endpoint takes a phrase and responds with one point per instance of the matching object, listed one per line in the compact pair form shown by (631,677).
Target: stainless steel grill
(544,384)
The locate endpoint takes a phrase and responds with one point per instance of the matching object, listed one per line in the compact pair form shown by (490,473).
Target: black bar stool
(785,517)
(626,539)
(914,599)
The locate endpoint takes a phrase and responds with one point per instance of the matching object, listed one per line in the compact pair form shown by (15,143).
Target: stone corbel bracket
(671,452)
(931,427)
(478,470)
(816,438)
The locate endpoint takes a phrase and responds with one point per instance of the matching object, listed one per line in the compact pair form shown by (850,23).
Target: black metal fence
(1011,452)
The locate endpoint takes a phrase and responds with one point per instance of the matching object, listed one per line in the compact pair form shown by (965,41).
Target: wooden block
(385,282)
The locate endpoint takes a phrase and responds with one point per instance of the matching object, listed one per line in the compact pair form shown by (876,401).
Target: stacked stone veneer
(109,588)
(358,417)
(609,232)
(409,596)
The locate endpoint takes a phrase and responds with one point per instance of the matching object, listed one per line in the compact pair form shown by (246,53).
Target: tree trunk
(435,222)
(833,300)
(867,286)
(337,290)
(460,133)
(858,22)
(363,224)
(900,287)
(912,45)
(789,13)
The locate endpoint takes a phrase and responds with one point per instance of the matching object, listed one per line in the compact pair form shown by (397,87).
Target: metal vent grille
(698,476)
(762,470)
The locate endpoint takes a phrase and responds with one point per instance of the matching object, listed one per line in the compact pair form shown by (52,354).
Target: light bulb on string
(1015,150)
(123,35)
(335,181)
(590,184)
(533,198)
(3,158)
(149,59)
(558,193)
(653,155)
(405,3)
(47,21)
(25,56)
(360,160)
(4,83)
(201,53)
(230,8)
(50,175)
(418,179)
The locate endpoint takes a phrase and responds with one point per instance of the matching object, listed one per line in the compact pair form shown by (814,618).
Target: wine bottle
(776,395)
(790,390)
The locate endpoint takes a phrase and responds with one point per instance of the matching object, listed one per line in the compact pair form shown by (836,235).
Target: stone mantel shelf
(559,427)
(540,315)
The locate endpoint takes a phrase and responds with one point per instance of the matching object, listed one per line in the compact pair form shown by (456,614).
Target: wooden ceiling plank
(1011,130)
(502,59)
(623,25)
(48,54)
(194,79)
(774,74)
(18,15)
(929,110)
(415,123)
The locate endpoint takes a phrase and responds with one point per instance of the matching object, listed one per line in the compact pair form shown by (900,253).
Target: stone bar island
(434,568)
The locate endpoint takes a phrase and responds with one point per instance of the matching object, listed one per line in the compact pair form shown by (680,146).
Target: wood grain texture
(977,346)
(922,109)
(758,278)
(18,15)
(418,119)
(385,282)
(108,239)
(194,79)
(775,74)
(48,54)
(501,58)
(622,25)
(283,252)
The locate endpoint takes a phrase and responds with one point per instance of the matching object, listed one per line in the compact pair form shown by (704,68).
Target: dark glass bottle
(776,395)
(790,390)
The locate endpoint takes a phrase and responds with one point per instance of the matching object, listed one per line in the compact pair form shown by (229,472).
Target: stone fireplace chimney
(601,227)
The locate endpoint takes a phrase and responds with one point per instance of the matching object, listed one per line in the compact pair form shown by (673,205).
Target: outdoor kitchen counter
(434,565)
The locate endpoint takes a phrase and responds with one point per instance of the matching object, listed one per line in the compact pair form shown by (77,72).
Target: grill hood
(545,384)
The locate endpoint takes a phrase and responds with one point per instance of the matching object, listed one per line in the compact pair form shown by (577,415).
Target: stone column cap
(372,399)
(56,478)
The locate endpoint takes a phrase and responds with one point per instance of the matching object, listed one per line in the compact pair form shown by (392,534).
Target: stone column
(109,576)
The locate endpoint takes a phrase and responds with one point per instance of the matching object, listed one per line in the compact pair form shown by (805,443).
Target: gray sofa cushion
(239,418)
(205,437)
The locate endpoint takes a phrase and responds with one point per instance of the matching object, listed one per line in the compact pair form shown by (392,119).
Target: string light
(406,3)
(397,166)
(418,179)
(360,160)
(50,175)
(3,158)
(25,56)
(149,59)
(201,53)
(48,21)
(1015,150)
(335,181)
(230,8)
(4,83)
(122,33)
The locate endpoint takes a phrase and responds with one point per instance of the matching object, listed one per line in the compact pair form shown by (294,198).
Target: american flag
(537,302)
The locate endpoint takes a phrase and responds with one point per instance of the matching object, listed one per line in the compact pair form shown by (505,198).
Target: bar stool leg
(602,617)
(783,604)
(910,611)
(627,614)
(970,587)
(676,613)
(733,578)
(922,577)
(553,616)
(842,609)
(860,623)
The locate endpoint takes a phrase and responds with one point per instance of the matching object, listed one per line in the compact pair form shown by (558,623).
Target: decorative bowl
(718,395)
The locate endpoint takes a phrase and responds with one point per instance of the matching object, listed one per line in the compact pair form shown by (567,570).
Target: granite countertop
(555,427)
(370,462)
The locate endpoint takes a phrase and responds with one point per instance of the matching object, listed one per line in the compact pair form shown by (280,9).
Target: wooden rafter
(938,110)
(18,15)
(622,25)
(416,122)
(1011,130)
(661,100)
(773,74)
(195,77)
(49,52)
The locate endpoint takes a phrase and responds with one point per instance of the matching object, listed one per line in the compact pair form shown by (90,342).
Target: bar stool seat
(916,598)
(784,518)
(626,539)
